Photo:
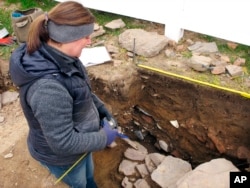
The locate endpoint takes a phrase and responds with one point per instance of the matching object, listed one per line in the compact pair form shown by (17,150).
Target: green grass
(103,18)
(187,54)
(5,21)
(26,4)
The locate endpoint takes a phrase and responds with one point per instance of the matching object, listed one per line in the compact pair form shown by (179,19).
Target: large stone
(127,167)
(214,173)
(200,63)
(134,155)
(147,44)
(170,171)
(204,47)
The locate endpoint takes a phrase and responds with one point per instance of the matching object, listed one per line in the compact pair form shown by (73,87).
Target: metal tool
(124,137)
(127,139)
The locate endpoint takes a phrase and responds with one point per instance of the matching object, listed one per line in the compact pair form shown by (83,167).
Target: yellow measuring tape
(65,173)
(244,94)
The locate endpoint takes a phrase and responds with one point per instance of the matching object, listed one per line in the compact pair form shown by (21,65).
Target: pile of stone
(168,171)
(205,55)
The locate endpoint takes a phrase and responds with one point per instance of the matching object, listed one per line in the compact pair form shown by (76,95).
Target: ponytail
(37,33)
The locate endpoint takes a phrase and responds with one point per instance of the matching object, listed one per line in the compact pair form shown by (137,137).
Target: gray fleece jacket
(58,104)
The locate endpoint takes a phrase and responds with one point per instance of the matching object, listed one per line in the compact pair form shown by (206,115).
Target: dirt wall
(213,123)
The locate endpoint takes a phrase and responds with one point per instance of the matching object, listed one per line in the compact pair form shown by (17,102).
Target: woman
(63,114)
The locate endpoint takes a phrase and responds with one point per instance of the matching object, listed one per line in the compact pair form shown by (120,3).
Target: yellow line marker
(244,94)
(65,173)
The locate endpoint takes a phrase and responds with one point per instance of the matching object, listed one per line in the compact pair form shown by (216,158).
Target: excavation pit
(213,123)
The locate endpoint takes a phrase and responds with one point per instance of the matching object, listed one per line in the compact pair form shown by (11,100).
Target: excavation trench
(212,123)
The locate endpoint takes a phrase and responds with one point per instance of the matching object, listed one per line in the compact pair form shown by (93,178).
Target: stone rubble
(205,55)
(214,173)
(172,172)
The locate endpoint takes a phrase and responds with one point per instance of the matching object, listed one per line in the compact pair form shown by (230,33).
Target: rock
(112,49)
(170,171)
(204,47)
(164,145)
(156,158)
(147,44)
(240,61)
(9,155)
(169,53)
(174,123)
(214,173)
(115,24)
(127,167)
(126,183)
(141,148)
(180,48)
(98,32)
(149,164)
(142,169)
(9,96)
(219,63)
(141,183)
(134,155)
(225,58)
(96,26)
(200,63)
(232,45)
(234,70)
(218,70)
(139,134)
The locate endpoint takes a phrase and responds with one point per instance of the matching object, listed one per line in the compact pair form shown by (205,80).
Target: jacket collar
(66,64)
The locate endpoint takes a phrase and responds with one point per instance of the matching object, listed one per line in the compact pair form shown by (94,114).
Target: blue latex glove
(111,133)
(103,112)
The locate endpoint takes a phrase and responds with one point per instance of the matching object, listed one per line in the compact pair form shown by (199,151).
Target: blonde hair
(65,13)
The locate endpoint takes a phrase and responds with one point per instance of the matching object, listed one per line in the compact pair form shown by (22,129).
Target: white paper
(94,56)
